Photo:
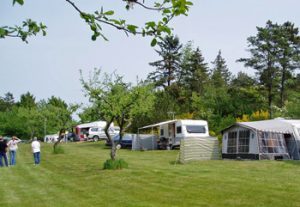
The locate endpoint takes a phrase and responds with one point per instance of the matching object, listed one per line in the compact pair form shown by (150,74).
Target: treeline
(186,87)
(28,118)
(182,85)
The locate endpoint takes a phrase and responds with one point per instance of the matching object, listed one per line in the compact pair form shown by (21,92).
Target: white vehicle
(82,130)
(171,132)
(97,133)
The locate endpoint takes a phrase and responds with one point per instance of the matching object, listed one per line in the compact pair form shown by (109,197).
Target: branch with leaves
(27,29)
(168,9)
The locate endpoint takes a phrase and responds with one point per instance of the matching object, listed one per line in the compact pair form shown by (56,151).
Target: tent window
(272,143)
(161,132)
(244,137)
(231,144)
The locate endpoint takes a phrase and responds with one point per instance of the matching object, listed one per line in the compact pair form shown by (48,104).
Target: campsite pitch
(76,178)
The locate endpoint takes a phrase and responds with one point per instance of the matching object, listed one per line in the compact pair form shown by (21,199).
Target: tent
(269,139)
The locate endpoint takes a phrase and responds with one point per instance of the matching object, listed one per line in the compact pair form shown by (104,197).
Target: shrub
(115,164)
(58,150)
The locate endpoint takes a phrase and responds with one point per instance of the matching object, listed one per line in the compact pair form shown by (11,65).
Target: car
(126,141)
(97,133)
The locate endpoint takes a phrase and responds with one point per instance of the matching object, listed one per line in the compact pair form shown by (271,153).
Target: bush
(115,164)
(58,150)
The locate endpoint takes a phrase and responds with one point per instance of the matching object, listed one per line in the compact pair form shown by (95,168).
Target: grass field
(76,178)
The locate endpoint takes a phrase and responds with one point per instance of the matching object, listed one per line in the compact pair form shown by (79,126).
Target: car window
(94,129)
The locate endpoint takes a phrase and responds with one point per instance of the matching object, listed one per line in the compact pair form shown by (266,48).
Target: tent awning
(158,124)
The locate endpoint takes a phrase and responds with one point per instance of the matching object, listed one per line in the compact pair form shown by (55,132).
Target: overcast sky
(50,65)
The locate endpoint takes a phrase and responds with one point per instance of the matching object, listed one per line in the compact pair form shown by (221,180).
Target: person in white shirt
(13,146)
(36,150)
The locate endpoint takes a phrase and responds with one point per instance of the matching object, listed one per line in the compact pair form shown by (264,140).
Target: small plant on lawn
(58,150)
(117,164)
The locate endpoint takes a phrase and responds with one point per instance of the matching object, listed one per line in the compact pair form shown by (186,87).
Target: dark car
(126,141)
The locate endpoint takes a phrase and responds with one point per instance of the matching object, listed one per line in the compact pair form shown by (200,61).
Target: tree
(246,95)
(167,10)
(263,51)
(274,55)
(167,68)
(220,75)
(117,101)
(288,42)
(7,102)
(27,100)
(194,72)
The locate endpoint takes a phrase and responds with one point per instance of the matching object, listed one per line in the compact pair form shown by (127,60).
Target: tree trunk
(282,87)
(270,88)
(113,146)
(60,137)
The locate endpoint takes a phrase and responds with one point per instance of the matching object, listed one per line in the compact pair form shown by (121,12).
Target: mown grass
(76,178)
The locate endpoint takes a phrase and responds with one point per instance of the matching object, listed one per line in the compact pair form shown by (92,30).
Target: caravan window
(231,144)
(178,130)
(195,129)
(244,137)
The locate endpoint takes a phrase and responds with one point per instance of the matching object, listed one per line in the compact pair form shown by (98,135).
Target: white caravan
(171,132)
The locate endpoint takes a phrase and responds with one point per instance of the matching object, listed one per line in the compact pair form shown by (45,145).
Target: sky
(49,66)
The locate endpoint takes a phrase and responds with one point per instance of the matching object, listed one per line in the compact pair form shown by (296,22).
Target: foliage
(58,150)
(116,164)
(167,69)
(194,71)
(166,9)
(220,76)
(117,101)
(27,29)
(255,116)
(7,102)
(28,118)
(274,55)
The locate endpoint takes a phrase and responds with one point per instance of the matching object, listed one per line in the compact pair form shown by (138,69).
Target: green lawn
(76,178)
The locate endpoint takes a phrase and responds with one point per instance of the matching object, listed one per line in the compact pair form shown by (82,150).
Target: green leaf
(111,12)
(132,28)
(150,24)
(3,32)
(21,2)
(153,42)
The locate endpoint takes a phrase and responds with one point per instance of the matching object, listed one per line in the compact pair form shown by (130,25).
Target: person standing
(3,149)
(36,150)
(13,147)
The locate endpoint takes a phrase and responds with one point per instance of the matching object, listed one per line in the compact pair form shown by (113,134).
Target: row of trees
(184,86)
(28,118)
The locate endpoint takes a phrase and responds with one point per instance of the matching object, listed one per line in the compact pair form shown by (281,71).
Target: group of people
(11,148)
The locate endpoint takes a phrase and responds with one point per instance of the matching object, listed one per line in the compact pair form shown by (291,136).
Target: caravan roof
(93,124)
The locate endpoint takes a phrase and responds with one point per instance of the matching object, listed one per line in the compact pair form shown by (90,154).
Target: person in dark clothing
(3,149)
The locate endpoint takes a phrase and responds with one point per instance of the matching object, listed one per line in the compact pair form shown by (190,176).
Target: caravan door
(171,128)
